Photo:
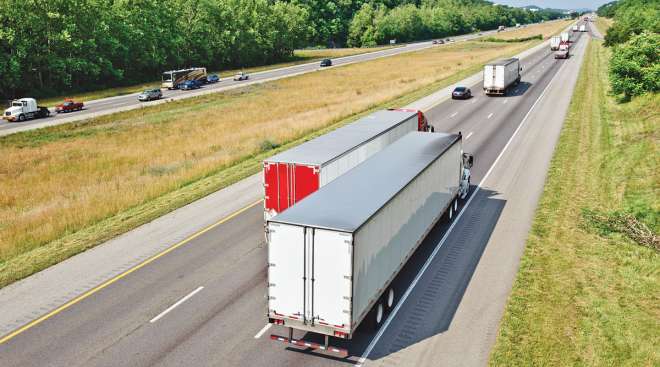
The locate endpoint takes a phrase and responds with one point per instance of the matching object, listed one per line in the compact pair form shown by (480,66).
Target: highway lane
(217,324)
(126,102)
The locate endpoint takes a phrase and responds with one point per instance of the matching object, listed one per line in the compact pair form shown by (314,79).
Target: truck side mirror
(468,160)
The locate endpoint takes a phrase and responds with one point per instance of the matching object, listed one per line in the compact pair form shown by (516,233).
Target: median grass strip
(66,188)
(587,292)
(299,57)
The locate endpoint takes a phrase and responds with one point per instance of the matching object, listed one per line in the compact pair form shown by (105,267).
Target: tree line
(376,24)
(50,47)
(635,39)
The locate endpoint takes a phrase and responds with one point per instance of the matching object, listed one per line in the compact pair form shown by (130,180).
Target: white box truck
(565,37)
(500,75)
(295,173)
(554,43)
(333,256)
(575,28)
(583,28)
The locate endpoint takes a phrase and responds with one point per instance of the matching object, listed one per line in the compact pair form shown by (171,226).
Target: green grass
(588,294)
(299,57)
(513,40)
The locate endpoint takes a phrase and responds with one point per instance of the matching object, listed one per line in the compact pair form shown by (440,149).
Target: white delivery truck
(575,28)
(25,109)
(333,256)
(583,28)
(500,75)
(554,43)
(565,37)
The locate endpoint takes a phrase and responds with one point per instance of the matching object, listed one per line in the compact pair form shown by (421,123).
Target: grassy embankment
(66,188)
(588,289)
(299,57)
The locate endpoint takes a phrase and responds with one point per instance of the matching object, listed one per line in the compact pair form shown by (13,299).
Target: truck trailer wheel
(390,299)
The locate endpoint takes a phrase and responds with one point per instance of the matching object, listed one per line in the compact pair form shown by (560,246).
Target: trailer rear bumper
(311,345)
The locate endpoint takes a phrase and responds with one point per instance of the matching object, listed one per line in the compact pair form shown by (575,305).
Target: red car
(69,105)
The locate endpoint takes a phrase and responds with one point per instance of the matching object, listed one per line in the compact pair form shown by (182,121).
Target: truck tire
(21,118)
(390,299)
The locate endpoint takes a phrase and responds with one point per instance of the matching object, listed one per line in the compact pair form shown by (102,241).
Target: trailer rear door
(286,269)
(333,254)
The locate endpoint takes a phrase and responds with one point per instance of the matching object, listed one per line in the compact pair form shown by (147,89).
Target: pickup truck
(69,105)
(25,109)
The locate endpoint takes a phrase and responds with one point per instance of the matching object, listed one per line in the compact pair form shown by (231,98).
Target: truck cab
(20,109)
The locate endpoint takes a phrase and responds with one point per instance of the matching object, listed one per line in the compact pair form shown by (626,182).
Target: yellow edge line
(122,275)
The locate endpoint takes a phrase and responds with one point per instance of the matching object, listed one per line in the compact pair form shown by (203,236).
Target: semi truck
(554,43)
(25,109)
(292,175)
(583,28)
(333,256)
(565,37)
(500,75)
(575,28)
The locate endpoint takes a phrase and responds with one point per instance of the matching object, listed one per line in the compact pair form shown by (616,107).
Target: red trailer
(293,174)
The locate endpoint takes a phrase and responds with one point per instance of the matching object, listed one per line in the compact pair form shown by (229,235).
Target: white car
(241,76)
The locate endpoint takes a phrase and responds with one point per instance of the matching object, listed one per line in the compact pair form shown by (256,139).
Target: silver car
(150,95)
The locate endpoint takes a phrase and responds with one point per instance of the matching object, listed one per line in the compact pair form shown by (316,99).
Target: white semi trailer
(333,256)
(500,75)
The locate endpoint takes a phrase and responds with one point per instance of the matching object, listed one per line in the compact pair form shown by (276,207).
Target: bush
(634,68)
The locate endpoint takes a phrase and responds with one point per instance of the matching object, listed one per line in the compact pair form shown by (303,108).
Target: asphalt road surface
(109,105)
(205,304)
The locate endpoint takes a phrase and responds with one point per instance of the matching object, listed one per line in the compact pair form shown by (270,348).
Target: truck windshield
(167,77)
(17,104)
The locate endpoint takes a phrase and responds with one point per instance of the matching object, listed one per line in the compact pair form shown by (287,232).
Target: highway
(204,304)
(127,102)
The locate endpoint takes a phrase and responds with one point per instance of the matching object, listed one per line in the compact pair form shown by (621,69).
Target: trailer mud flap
(311,345)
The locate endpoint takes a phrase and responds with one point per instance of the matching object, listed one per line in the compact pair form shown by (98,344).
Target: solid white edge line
(263,330)
(176,304)
(428,262)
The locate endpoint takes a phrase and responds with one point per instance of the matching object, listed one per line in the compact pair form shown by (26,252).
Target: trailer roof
(346,203)
(329,146)
(503,61)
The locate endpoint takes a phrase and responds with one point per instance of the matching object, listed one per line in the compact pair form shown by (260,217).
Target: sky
(557,4)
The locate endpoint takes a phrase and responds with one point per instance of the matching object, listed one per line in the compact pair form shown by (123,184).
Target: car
(461,93)
(438,42)
(326,62)
(212,78)
(190,84)
(69,105)
(241,76)
(150,95)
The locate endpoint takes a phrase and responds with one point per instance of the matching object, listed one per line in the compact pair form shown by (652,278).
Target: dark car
(190,84)
(212,78)
(438,42)
(326,62)
(461,93)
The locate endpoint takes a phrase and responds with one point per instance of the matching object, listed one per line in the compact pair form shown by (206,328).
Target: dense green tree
(633,17)
(634,67)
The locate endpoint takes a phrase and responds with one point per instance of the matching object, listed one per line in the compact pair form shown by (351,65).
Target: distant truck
(583,28)
(500,75)
(500,28)
(292,175)
(332,257)
(25,109)
(575,28)
(565,37)
(554,43)
(563,52)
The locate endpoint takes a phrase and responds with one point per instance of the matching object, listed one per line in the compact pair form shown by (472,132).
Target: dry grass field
(546,29)
(75,180)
